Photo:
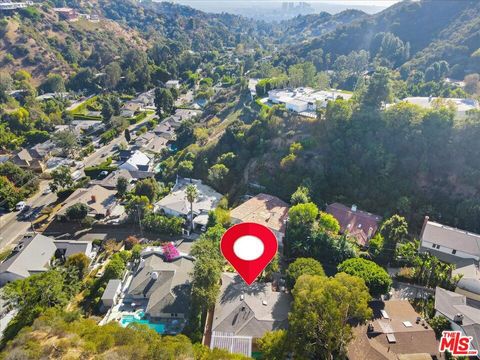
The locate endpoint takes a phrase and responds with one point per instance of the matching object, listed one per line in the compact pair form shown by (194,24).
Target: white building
(33,256)
(173,84)
(137,162)
(304,99)
(449,244)
(176,203)
(462,106)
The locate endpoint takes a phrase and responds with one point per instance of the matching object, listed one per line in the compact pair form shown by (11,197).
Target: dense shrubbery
(162,224)
(66,333)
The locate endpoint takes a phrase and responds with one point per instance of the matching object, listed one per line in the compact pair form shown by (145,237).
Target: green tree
(79,262)
(53,84)
(206,282)
(78,212)
(328,222)
(192,194)
(148,187)
(274,345)
(439,324)
(122,186)
(303,266)
(61,179)
(394,231)
(376,278)
(378,89)
(67,141)
(136,207)
(300,196)
(302,218)
(322,307)
(164,102)
(217,175)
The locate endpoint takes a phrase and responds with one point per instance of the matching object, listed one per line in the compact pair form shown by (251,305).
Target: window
(433,246)
(454,252)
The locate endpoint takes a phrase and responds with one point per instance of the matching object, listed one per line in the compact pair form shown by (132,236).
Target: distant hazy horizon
(331,6)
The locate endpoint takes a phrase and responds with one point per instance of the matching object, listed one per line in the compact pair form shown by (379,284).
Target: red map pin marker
(249,247)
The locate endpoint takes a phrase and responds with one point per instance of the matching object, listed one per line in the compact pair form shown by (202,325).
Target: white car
(20,206)
(47,191)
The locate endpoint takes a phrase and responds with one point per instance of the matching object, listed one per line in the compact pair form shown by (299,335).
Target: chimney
(354,207)
(94,198)
(458,318)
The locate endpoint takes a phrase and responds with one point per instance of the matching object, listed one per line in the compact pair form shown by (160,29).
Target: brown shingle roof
(411,340)
(263,209)
(360,224)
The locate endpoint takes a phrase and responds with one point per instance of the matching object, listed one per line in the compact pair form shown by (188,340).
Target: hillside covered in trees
(419,34)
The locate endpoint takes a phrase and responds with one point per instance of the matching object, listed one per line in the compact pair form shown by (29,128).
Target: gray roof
(170,292)
(469,284)
(261,309)
(451,238)
(111,289)
(177,201)
(450,304)
(32,255)
(110,182)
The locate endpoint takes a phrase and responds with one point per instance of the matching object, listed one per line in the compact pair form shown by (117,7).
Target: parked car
(20,206)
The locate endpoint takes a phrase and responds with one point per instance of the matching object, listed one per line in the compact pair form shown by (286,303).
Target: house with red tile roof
(359,224)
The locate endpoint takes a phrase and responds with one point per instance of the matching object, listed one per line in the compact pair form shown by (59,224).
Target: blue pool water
(129,319)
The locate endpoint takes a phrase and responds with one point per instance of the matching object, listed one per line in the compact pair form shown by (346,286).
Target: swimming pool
(138,319)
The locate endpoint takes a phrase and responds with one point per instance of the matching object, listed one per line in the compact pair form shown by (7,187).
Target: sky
(331,6)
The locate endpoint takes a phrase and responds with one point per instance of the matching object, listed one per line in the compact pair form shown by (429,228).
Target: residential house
(100,201)
(173,84)
(66,13)
(165,130)
(110,182)
(34,158)
(470,287)
(162,287)
(461,106)
(266,210)
(33,255)
(151,142)
(359,224)
(25,160)
(138,161)
(130,109)
(176,203)
(449,244)
(305,100)
(395,332)
(245,313)
(111,293)
(463,313)
(181,115)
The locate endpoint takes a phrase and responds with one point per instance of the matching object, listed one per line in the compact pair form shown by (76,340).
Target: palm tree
(192,195)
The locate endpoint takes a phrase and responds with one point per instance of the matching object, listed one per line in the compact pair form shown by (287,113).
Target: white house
(176,203)
(448,243)
(173,84)
(33,255)
(138,161)
(305,99)
(462,106)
